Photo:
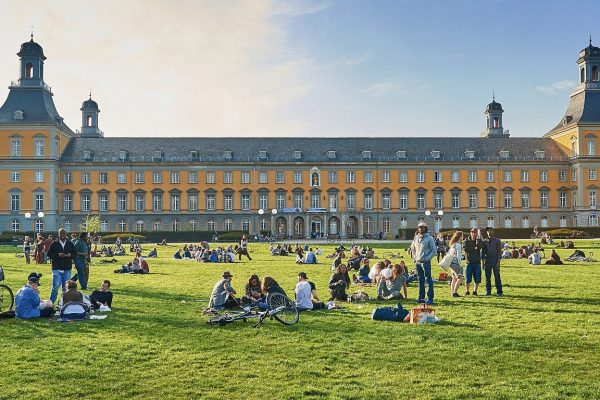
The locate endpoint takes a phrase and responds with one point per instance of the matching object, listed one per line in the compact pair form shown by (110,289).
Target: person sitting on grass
(186,253)
(375,273)
(299,258)
(389,288)
(102,296)
(554,259)
(363,272)
(270,285)
(223,295)
(72,306)
(337,260)
(303,293)
(339,283)
(252,292)
(177,255)
(153,253)
(27,300)
(311,257)
(535,258)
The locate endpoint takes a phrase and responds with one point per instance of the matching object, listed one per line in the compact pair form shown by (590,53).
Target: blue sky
(308,68)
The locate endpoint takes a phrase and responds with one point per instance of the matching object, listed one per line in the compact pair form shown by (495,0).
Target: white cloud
(556,87)
(380,89)
(298,8)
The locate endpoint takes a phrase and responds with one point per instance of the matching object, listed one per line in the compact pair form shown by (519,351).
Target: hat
(227,274)
(422,224)
(302,275)
(34,277)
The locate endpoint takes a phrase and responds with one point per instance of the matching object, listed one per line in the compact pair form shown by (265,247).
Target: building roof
(589,52)
(89,105)
(36,106)
(494,106)
(583,109)
(31,49)
(347,149)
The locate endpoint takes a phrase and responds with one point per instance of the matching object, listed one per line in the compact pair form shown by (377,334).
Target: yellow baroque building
(353,187)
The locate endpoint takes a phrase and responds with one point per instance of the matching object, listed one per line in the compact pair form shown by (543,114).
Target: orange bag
(416,312)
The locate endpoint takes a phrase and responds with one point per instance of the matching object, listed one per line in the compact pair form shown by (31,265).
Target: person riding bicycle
(223,295)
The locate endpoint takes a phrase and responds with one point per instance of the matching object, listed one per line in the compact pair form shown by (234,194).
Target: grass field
(542,340)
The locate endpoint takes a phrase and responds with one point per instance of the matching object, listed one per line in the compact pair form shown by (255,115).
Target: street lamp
(274,211)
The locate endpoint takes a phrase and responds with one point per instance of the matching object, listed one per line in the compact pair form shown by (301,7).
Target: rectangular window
(350,178)
(67,177)
(420,201)
(15,147)
(263,201)
(298,197)
(228,202)
(574,175)
(85,177)
(174,177)
(245,177)
(592,174)
(368,201)
(315,200)
(15,202)
(139,177)
(350,201)
(455,200)
(437,176)
(227,177)
(438,200)
(175,202)
(263,177)
(403,201)
(15,176)
(40,147)
(157,202)
(562,200)
(562,175)
(472,200)
(543,176)
(121,202)
(403,176)
(524,176)
(574,199)
(67,202)
(192,177)
(385,176)
(455,176)
(210,202)
(39,176)
(333,202)
(86,202)
(386,202)
(297,177)
(472,176)
(157,177)
(210,177)
(368,176)
(489,176)
(491,200)
(524,200)
(103,202)
(280,200)
(420,176)
(507,200)
(507,176)
(245,202)
(279,177)
(193,202)
(103,177)
(332,176)
(139,202)
(544,200)
(593,198)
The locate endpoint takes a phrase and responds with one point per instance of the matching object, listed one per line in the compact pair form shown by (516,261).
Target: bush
(123,235)
(231,236)
(568,233)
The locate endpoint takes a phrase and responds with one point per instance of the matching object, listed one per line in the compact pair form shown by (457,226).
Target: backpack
(396,314)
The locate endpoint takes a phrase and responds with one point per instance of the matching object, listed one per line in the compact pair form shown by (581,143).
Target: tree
(91,223)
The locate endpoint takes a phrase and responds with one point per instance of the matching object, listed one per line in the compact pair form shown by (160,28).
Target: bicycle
(278,306)
(7,298)
(391,255)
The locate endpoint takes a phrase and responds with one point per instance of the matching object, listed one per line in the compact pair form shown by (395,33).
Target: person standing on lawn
(493,254)
(83,251)
(243,249)
(423,249)
(473,249)
(61,252)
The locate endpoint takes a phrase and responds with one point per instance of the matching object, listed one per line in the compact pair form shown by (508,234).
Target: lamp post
(257,229)
(273,214)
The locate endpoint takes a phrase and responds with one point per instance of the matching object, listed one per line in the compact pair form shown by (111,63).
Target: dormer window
(567,119)
(331,154)
(19,114)
(87,155)
(122,155)
(470,154)
(262,154)
(504,154)
(228,154)
(158,155)
(297,154)
(539,154)
(401,154)
(366,154)
(435,154)
(194,154)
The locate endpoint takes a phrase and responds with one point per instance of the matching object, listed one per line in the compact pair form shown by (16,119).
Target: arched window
(593,220)
(562,221)
(314,179)
(368,226)
(403,223)
(544,222)
(455,222)
(88,120)
(264,224)
(582,75)
(139,226)
(525,222)
(39,226)
(103,225)
(175,225)
(508,222)
(29,70)
(386,225)
(496,122)
(156,225)
(246,225)
(67,225)
(193,224)
(473,222)
(228,225)
(210,225)
(595,73)
(15,225)
(591,147)
(491,222)
(122,225)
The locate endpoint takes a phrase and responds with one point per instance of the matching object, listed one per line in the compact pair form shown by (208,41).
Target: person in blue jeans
(81,246)
(492,248)
(423,249)
(61,252)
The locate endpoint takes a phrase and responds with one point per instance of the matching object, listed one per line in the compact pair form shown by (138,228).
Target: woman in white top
(456,267)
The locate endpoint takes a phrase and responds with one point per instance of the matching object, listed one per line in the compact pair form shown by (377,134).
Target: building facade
(299,187)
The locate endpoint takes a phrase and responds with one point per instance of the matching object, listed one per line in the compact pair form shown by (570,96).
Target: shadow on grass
(534,309)
(457,324)
(532,286)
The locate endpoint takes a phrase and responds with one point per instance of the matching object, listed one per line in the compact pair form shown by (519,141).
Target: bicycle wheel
(388,255)
(226,318)
(283,309)
(7,298)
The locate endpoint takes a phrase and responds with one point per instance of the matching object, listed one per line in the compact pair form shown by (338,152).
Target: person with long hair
(389,289)
(339,283)
(456,268)
(253,293)
(270,285)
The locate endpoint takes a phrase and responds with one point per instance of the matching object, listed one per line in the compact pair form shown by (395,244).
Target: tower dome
(494,106)
(89,104)
(31,49)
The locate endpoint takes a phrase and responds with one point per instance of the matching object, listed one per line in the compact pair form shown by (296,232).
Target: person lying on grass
(27,300)
(339,283)
(136,266)
(223,295)
(102,296)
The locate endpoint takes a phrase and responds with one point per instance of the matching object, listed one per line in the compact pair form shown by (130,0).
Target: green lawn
(542,340)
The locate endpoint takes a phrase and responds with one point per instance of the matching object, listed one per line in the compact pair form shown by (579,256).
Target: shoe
(420,300)
(380,298)
(474,293)
(429,302)
(499,295)
(468,293)
(456,295)
(488,294)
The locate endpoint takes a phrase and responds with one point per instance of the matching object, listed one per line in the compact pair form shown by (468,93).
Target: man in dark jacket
(473,247)
(492,248)
(61,252)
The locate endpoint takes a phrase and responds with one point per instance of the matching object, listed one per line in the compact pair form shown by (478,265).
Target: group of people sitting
(391,280)
(136,266)
(513,251)
(73,304)
(107,251)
